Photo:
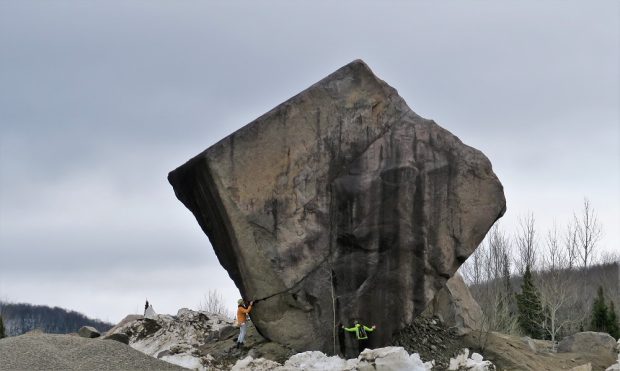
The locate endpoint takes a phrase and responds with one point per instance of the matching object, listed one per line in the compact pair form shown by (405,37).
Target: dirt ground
(513,353)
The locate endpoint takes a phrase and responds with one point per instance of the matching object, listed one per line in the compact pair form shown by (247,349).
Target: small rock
(88,332)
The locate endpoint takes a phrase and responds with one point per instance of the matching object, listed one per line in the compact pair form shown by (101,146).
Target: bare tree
(589,233)
(554,257)
(489,272)
(571,243)
(472,269)
(526,244)
(214,304)
(609,257)
(557,287)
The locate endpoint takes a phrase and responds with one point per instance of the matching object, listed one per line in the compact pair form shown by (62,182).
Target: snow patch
(258,364)
(315,361)
(385,359)
(175,339)
(185,360)
(475,363)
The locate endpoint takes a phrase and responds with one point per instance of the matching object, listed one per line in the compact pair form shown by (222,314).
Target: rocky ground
(202,341)
(430,338)
(518,353)
(197,340)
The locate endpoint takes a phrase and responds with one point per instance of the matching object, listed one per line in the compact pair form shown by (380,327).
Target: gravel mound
(38,351)
(432,340)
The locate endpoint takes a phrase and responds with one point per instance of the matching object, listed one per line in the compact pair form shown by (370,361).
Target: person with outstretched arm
(242,320)
(361,332)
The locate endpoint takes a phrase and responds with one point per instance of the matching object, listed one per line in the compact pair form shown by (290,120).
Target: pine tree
(530,308)
(600,316)
(2,332)
(612,321)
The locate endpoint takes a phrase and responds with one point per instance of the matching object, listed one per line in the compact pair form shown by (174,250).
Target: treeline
(546,285)
(19,318)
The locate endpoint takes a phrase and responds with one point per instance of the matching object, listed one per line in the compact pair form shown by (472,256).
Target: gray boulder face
(456,307)
(588,342)
(88,332)
(340,203)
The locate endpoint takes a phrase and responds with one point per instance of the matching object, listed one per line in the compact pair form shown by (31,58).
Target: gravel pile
(430,338)
(38,351)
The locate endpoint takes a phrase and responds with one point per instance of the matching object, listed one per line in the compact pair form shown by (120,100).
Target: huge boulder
(456,307)
(340,203)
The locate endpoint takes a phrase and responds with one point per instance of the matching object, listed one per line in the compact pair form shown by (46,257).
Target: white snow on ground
(258,364)
(392,358)
(184,360)
(178,337)
(315,360)
(475,363)
(385,359)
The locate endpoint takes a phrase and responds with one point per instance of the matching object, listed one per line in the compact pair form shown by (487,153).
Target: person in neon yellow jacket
(361,332)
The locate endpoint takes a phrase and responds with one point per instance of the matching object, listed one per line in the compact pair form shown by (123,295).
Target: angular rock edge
(340,203)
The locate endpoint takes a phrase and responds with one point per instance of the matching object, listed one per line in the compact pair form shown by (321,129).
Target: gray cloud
(99,101)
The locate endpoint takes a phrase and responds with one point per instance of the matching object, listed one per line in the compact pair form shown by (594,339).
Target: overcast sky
(100,100)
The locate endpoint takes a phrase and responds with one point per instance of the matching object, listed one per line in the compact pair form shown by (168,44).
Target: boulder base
(456,307)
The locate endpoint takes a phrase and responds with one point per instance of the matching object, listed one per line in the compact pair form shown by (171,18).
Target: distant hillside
(20,318)
(572,290)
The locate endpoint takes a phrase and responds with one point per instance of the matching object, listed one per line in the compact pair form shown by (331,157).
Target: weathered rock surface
(589,341)
(88,332)
(340,203)
(456,308)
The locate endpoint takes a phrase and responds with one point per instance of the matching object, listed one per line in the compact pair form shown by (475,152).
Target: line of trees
(542,285)
(19,318)
(2,332)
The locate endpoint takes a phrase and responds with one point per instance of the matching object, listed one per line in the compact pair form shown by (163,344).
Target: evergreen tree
(530,308)
(600,317)
(612,322)
(2,332)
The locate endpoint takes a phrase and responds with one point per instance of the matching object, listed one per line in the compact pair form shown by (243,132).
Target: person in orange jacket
(242,319)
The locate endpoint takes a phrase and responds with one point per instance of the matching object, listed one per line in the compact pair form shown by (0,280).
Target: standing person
(146,306)
(361,332)
(242,320)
